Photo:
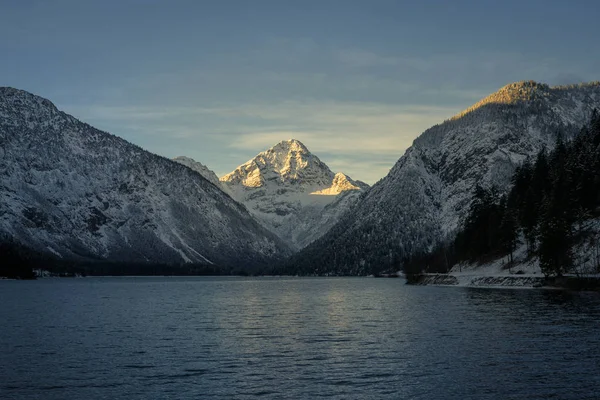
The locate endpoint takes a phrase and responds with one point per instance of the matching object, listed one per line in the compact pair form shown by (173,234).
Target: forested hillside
(552,208)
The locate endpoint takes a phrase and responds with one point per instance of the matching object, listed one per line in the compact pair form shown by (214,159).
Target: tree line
(18,261)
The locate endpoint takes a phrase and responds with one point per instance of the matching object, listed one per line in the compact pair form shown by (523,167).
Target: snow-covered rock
(341,183)
(71,190)
(292,192)
(428,192)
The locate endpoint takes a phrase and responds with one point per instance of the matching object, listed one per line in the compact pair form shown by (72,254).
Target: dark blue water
(244,338)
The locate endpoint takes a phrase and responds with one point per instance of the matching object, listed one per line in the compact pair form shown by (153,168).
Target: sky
(221,80)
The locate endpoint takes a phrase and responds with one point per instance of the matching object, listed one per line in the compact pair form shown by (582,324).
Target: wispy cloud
(348,127)
(359,58)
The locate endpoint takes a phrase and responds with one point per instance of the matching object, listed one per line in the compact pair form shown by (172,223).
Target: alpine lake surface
(299,338)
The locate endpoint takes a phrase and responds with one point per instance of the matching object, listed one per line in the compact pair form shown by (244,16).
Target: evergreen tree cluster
(551,199)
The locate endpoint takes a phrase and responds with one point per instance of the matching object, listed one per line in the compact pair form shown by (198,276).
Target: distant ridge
(522,91)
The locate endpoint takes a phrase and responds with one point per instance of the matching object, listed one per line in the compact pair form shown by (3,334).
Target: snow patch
(56,253)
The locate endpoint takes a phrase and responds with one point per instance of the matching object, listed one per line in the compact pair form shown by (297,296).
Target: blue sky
(219,81)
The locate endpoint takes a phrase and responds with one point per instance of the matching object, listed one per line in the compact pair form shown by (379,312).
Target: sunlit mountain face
(292,192)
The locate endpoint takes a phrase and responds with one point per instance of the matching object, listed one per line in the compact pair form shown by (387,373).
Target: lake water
(246,338)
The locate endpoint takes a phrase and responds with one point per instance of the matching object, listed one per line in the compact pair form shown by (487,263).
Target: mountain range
(427,193)
(289,190)
(76,193)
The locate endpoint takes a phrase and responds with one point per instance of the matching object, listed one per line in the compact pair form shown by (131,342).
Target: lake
(339,338)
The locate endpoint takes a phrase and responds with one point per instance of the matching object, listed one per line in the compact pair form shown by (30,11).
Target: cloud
(358,58)
(334,126)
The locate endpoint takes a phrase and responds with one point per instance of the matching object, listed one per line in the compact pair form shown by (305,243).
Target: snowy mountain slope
(292,192)
(69,189)
(202,170)
(428,191)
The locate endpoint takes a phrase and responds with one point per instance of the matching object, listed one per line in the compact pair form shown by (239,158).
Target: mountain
(292,192)
(203,170)
(69,189)
(429,190)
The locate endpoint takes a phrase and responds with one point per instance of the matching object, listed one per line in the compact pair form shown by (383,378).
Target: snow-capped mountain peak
(288,163)
(341,183)
(290,145)
(285,186)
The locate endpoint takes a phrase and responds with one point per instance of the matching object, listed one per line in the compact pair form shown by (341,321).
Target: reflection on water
(155,338)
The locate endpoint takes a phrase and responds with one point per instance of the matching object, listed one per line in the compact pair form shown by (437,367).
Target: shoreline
(576,283)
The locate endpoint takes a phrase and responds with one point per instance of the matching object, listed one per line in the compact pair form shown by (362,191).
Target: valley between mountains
(289,190)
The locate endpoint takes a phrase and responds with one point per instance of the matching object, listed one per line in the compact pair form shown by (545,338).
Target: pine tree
(509,232)
(555,238)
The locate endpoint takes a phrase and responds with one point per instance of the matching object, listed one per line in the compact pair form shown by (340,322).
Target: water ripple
(248,338)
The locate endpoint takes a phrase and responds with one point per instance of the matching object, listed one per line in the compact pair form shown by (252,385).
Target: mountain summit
(292,191)
(287,163)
